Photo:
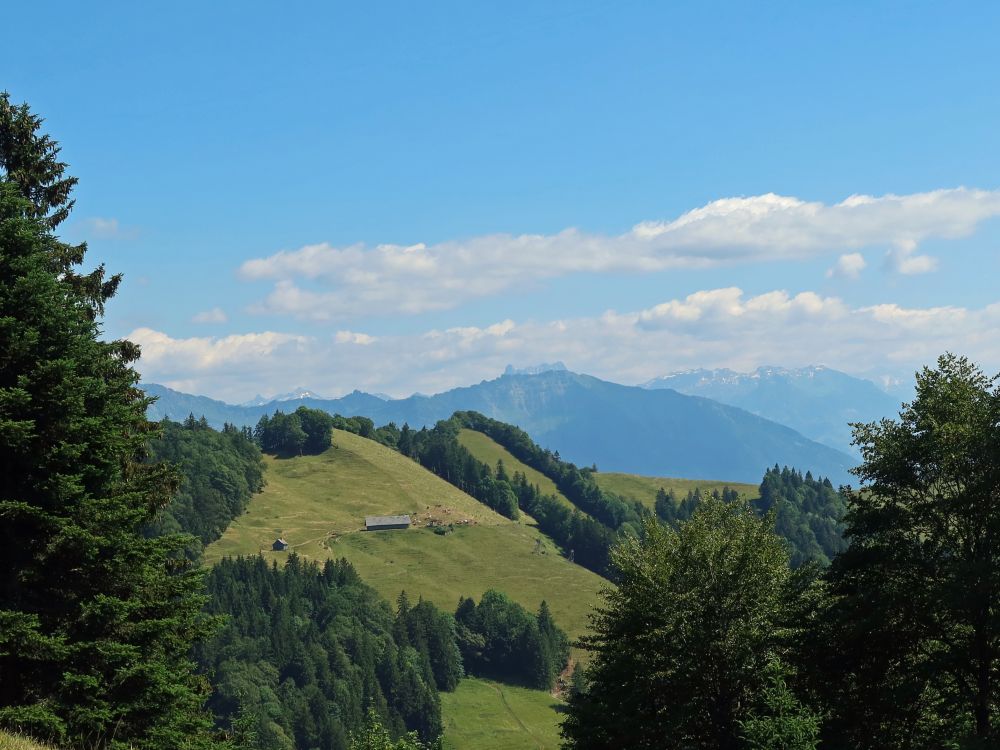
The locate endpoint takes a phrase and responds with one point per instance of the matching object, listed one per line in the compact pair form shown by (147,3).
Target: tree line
(501,640)
(219,473)
(808,512)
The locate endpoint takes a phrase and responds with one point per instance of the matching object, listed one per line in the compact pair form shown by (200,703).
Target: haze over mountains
(817,401)
(654,430)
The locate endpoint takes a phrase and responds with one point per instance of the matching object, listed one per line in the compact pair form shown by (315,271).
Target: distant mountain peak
(536,369)
(296,394)
(816,400)
(724,375)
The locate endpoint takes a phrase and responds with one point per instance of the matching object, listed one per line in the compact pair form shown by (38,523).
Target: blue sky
(377,195)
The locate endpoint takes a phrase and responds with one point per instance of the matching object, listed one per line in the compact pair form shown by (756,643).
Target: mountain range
(817,401)
(640,430)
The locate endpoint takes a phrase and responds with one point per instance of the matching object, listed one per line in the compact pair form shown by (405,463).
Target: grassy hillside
(318,504)
(485,715)
(644,489)
(17,742)
(487,450)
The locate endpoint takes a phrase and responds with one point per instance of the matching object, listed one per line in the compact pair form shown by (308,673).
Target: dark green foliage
(304,431)
(220,472)
(681,646)
(308,650)
(808,514)
(779,720)
(96,620)
(908,644)
(29,160)
(501,640)
(670,511)
(432,633)
(374,736)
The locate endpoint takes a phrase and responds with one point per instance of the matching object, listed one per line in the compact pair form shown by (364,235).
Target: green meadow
(487,450)
(486,715)
(18,742)
(318,504)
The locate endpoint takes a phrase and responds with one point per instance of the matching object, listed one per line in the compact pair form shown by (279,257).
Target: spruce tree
(96,621)
(30,160)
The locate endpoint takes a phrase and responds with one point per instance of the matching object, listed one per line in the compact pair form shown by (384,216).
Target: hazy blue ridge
(588,420)
(819,402)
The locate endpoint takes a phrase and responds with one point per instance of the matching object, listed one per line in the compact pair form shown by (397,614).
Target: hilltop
(318,504)
(656,432)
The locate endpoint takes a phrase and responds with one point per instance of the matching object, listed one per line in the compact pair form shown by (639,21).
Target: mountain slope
(318,504)
(817,401)
(657,432)
(487,450)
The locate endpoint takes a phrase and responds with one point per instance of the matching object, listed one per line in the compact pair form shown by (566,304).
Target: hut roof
(386,520)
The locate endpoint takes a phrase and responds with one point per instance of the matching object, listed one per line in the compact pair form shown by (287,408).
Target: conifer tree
(30,160)
(96,621)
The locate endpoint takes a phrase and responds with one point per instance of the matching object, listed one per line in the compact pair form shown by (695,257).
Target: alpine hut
(383,523)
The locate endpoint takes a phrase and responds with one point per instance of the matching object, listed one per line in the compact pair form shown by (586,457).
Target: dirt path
(517,718)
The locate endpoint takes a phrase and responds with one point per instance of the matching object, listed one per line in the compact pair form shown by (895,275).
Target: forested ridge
(219,473)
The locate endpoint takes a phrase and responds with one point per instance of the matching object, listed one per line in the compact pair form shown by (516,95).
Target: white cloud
(171,356)
(100,228)
(215,315)
(710,328)
(323,282)
(903,259)
(351,337)
(848,266)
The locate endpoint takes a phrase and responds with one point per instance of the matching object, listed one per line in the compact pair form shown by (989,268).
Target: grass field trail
(486,715)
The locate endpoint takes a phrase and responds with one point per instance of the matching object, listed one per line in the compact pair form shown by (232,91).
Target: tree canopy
(913,619)
(96,619)
(304,431)
(681,646)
